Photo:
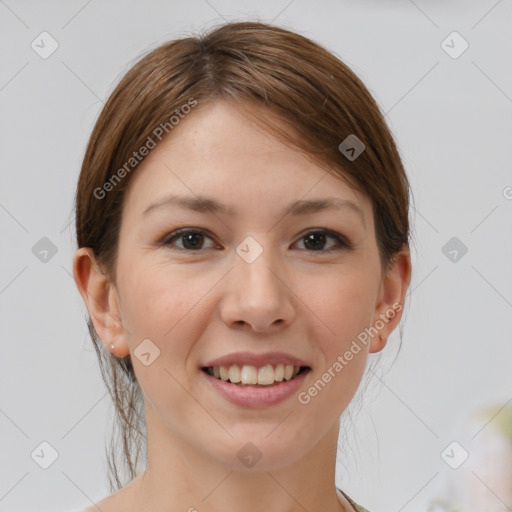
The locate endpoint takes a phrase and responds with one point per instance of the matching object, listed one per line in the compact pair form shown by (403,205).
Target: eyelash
(342,242)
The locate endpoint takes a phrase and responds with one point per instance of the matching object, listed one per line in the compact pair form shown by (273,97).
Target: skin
(202,304)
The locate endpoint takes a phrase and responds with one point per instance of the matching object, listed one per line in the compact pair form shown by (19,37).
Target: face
(248,284)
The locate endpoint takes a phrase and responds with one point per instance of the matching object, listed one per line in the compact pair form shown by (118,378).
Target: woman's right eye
(191,239)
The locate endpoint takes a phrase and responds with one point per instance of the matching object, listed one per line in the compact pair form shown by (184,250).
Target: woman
(243,245)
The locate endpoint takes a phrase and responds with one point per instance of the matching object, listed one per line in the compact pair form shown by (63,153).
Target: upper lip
(258,360)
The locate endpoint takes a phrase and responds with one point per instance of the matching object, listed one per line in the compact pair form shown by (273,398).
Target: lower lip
(245,396)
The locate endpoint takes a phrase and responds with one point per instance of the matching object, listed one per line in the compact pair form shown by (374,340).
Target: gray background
(452,120)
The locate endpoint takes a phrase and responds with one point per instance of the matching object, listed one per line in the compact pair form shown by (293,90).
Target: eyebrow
(299,207)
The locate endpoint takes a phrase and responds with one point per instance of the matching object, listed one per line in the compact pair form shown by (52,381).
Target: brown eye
(191,240)
(315,241)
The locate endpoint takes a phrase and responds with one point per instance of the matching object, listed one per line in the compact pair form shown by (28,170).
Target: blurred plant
(484,482)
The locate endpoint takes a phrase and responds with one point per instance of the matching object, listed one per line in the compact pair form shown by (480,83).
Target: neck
(180,476)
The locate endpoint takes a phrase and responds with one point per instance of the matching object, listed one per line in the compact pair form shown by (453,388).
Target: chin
(258,453)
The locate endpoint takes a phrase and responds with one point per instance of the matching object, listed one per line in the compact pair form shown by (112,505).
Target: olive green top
(357,507)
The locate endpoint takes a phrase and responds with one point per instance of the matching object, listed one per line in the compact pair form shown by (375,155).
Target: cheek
(160,293)
(345,303)
(159,305)
(344,307)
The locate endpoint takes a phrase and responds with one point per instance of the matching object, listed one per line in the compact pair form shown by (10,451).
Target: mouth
(255,376)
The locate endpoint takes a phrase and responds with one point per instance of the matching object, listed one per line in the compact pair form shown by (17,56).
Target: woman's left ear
(391,298)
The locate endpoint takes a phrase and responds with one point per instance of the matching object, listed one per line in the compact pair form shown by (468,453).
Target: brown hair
(253,64)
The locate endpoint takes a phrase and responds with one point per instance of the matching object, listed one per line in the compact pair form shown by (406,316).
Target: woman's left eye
(314,241)
(318,238)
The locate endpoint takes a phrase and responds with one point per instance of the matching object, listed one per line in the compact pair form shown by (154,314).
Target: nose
(257,295)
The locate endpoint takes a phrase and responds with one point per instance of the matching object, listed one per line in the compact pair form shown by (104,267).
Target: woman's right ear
(100,297)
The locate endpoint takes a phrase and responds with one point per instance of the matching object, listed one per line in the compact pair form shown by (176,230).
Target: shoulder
(104,505)
(120,501)
(111,503)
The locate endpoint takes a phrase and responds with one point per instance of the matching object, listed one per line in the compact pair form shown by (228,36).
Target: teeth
(263,376)
(234,374)
(266,375)
(224,374)
(249,374)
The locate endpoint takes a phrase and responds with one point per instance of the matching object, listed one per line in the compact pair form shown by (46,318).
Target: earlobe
(378,343)
(100,297)
(391,299)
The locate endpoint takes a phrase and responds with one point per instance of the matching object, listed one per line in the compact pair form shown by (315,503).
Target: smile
(255,396)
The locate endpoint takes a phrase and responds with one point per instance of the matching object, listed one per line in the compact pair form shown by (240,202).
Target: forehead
(218,151)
